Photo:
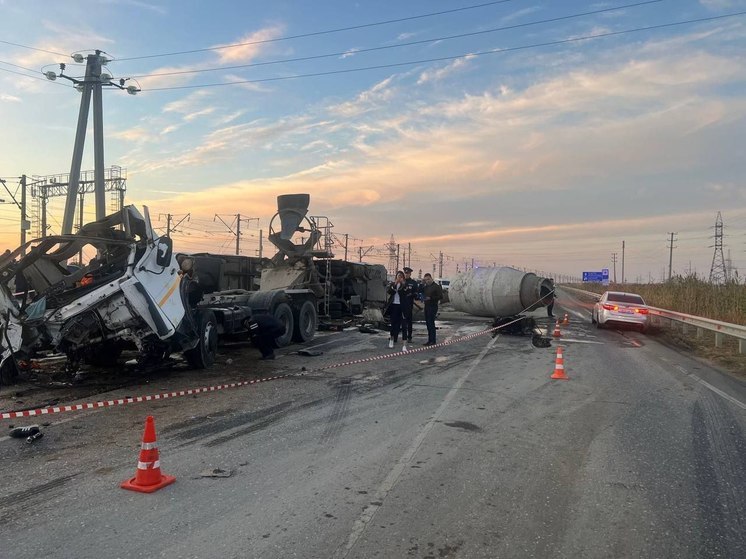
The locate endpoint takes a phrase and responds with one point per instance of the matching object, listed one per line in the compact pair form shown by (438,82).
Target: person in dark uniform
(549,300)
(263,329)
(410,291)
(433,294)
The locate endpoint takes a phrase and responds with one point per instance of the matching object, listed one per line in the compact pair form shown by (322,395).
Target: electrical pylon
(718,271)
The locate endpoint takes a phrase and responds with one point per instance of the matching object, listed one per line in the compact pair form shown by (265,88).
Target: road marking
(576,341)
(717,391)
(393,477)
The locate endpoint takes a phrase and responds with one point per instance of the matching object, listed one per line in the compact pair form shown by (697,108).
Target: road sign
(597,277)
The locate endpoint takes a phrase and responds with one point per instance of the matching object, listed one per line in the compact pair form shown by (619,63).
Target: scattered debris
(23,432)
(310,352)
(367,329)
(216,472)
(34,437)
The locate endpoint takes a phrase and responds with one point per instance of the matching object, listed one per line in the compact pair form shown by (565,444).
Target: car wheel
(306,322)
(284,314)
(203,355)
(593,318)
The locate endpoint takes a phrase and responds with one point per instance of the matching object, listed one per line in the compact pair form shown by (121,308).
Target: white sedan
(620,308)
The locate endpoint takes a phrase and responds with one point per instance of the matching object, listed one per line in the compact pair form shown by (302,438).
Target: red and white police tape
(193,391)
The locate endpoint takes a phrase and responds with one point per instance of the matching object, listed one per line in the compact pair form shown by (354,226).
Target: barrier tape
(193,391)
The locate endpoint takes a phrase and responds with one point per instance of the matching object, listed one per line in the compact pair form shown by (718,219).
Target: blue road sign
(595,276)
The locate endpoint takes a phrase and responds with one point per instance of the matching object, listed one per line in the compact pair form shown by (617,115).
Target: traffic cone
(566,320)
(559,367)
(148,477)
(556,332)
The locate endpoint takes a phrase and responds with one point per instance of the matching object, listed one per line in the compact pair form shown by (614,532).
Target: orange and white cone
(556,332)
(559,367)
(148,477)
(566,320)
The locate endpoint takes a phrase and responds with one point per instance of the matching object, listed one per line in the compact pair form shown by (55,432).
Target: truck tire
(203,355)
(306,322)
(8,372)
(284,314)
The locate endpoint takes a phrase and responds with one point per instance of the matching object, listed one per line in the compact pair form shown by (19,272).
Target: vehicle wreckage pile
(138,294)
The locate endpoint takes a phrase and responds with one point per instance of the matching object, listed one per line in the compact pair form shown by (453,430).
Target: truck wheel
(306,322)
(284,314)
(8,372)
(203,355)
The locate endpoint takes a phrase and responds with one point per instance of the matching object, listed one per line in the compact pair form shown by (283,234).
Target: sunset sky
(533,133)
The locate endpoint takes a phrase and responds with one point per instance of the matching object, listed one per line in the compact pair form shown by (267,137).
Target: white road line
(576,341)
(717,391)
(393,477)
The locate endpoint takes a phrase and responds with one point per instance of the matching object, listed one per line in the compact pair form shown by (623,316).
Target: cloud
(367,100)
(349,53)
(137,134)
(4,97)
(137,4)
(718,4)
(486,165)
(441,73)
(249,46)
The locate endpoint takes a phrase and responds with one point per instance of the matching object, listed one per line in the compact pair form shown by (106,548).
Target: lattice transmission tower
(718,271)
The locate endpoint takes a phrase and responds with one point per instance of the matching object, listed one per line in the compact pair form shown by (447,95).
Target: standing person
(263,329)
(410,292)
(396,303)
(433,294)
(549,300)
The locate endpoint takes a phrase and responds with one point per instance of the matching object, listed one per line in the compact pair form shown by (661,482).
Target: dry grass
(694,296)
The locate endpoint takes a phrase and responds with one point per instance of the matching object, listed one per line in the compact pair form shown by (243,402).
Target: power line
(316,33)
(396,46)
(453,57)
(33,48)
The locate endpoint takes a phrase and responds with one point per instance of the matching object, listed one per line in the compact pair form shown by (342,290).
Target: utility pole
(613,260)
(91,86)
(261,244)
(622,262)
(169,220)
(25,223)
(347,239)
(440,262)
(237,219)
(670,254)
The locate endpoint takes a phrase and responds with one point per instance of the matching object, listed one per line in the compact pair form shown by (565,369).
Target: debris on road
(216,472)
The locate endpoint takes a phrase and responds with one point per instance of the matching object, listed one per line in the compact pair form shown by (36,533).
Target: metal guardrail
(700,323)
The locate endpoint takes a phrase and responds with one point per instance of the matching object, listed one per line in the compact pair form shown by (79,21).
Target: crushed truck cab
(131,294)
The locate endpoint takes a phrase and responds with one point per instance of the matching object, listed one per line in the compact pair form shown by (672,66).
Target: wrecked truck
(302,285)
(132,294)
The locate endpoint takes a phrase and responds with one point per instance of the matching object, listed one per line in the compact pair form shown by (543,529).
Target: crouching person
(263,329)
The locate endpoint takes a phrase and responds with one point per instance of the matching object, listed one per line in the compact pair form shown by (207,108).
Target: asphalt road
(467,450)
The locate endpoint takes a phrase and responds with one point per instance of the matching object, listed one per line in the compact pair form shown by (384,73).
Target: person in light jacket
(397,292)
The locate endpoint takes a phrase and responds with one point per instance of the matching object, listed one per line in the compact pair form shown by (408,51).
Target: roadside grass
(692,295)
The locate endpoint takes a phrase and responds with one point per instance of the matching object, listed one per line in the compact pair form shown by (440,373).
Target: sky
(540,134)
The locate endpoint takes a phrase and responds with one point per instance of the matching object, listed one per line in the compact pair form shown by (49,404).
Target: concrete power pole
(91,86)
(670,254)
(622,261)
(613,260)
